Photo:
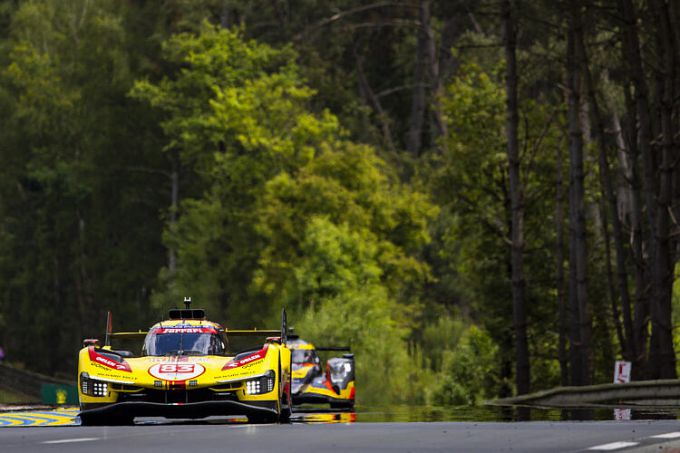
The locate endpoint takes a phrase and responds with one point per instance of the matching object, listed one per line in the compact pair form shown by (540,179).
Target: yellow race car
(186,370)
(312,384)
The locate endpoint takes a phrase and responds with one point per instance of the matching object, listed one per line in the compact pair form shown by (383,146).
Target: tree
(522,374)
(292,213)
(625,334)
(662,355)
(233,110)
(631,49)
(71,204)
(581,336)
(470,180)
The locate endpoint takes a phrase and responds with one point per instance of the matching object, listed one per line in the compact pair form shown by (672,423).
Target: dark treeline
(482,197)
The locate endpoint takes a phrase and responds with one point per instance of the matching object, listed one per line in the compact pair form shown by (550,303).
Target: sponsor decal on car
(259,355)
(176,371)
(175,359)
(108,362)
(185,329)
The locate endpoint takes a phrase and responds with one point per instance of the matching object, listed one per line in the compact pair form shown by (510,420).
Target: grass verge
(12,397)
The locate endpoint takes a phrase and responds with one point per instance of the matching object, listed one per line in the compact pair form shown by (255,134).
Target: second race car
(333,384)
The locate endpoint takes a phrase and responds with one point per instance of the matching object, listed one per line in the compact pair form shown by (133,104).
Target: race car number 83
(175,368)
(176,371)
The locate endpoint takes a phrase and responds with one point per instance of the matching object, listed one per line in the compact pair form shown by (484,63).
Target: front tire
(285,410)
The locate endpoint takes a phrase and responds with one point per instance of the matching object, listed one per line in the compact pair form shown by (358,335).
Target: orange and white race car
(186,369)
(333,384)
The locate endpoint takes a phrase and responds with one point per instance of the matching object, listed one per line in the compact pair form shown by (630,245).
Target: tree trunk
(559,275)
(631,55)
(641,309)
(522,373)
(625,337)
(663,355)
(616,316)
(434,75)
(427,72)
(174,207)
(373,101)
(674,13)
(415,130)
(578,295)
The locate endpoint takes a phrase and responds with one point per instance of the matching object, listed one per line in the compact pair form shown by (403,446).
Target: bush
(469,370)
(362,320)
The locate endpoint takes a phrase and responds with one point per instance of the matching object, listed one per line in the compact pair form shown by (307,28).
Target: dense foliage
(452,187)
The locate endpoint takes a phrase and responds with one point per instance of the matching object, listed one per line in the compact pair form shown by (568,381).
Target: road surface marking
(41,418)
(9,421)
(613,446)
(674,435)
(65,441)
(24,419)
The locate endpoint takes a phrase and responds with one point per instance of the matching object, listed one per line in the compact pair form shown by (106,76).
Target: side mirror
(90,342)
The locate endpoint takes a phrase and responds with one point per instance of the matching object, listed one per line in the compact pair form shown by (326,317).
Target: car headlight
(261,385)
(99,388)
(93,387)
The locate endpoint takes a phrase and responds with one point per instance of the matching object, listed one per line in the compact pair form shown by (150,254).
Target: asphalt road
(552,437)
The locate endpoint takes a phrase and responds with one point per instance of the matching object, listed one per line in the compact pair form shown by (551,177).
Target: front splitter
(130,409)
(315,398)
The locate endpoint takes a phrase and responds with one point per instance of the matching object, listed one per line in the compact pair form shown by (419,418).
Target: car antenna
(187,305)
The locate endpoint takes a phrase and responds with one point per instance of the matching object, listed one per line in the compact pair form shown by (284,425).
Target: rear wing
(334,348)
(252,333)
(282,334)
(233,333)
(139,335)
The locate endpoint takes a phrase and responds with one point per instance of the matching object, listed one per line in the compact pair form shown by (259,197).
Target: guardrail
(27,382)
(665,392)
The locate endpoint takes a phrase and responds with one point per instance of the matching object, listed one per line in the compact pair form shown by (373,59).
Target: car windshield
(173,341)
(304,356)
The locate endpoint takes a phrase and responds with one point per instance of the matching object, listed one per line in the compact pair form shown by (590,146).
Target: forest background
(481,197)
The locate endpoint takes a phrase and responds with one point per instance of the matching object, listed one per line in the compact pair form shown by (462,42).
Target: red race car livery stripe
(177,385)
(259,355)
(107,361)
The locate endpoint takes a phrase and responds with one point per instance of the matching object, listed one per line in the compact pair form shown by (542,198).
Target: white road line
(65,441)
(613,446)
(674,435)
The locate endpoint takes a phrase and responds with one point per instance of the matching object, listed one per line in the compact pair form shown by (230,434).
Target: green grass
(11,397)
